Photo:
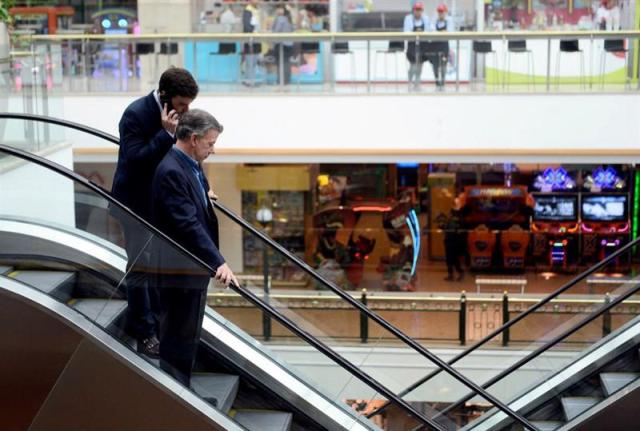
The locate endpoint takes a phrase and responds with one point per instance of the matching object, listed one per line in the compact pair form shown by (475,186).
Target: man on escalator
(147,132)
(182,209)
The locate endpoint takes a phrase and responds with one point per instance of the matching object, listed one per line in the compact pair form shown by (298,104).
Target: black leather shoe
(149,347)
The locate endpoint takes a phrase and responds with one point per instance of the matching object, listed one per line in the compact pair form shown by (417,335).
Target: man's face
(204,146)
(181,104)
(417,13)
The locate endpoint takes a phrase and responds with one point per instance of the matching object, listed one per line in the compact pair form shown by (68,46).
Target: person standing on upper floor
(251,24)
(147,129)
(182,210)
(439,58)
(602,16)
(283,24)
(416,22)
(228,20)
(613,23)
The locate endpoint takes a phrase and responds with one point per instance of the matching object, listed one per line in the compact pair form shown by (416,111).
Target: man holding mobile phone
(147,132)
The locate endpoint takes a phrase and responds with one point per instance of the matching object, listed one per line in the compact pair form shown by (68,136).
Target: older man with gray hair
(183,211)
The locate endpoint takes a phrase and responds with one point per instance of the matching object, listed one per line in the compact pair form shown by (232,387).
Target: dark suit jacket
(143,144)
(180,212)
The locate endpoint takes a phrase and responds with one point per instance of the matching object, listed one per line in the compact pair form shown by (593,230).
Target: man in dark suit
(182,210)
(147,130)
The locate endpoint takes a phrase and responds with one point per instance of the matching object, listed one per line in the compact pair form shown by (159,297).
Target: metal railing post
(606,317)
(457,65)
(505,317)
(462,319)
(266,320)
(364,320)
(548,66)
(368,66)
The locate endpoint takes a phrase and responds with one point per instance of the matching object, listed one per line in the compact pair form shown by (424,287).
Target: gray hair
(198,122)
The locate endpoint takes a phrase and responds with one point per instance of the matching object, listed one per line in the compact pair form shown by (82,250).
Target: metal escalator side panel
(62,239)
(600,352)
(53,309)
(617,412)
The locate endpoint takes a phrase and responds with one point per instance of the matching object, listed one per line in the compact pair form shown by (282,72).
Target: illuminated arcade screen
(555,208)
(604,208)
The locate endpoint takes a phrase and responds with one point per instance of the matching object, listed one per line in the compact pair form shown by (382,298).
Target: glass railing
(153,254)
(384,341)
(578,61)
(549,335)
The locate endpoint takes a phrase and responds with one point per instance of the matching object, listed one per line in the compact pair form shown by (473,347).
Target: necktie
(203,185)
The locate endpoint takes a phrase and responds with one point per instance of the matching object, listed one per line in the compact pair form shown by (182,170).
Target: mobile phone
(165,99)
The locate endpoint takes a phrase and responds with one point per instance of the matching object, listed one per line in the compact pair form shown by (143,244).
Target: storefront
(424,227)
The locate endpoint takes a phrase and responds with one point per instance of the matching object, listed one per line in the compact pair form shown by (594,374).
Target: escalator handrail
(540,350)
(58,122)
(518,318)
(245,293)
(442,365)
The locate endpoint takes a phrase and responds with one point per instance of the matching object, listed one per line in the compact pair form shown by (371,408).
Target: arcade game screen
(555,208)
(604,208)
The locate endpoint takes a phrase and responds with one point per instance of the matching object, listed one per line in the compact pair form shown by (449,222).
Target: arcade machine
(555,224)
(490,210)
(113,58)
(555,228)
(605,216)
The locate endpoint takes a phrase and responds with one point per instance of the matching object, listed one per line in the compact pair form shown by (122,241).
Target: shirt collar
(156,95)
(187,157)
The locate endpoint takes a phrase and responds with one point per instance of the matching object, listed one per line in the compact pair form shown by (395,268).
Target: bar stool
(393,49)
(483,48)
(613,46)
(342,48)
(570,47)
(520,47)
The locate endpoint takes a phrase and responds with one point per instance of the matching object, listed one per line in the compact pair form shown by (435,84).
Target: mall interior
(432,208)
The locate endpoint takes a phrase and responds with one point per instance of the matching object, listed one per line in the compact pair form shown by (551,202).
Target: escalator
(79,272)
(73,272)
(577,366)
(591,387)
(46,257)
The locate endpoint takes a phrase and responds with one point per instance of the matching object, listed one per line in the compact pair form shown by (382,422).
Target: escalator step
(547,425)
(104,312)
(58,284)
(5,269)
(613,382)
(266,420)
(574,406)
(222,387)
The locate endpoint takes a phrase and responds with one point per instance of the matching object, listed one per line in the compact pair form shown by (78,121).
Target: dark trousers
(452,254)
(439,64)
(142,301)
(182,311)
